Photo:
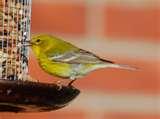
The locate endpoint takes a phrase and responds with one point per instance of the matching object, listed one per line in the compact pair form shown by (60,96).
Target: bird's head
(45,44)
(40,43)
(39,40)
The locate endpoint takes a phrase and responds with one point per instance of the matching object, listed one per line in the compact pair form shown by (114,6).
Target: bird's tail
(122,66)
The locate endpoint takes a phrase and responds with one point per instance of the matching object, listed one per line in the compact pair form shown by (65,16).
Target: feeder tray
(26,96)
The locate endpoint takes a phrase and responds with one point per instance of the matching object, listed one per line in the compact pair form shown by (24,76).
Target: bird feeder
(14,30)
(17,92)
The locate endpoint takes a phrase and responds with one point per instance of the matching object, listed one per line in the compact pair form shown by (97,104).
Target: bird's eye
(38,40)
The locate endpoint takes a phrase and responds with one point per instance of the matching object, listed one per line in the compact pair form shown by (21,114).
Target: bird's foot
(71,82)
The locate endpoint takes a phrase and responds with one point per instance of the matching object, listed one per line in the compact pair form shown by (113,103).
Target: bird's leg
(71,82)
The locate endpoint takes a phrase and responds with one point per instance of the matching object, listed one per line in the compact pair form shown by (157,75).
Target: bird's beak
(28,43)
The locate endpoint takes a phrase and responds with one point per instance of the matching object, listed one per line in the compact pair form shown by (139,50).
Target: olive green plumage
(62,59)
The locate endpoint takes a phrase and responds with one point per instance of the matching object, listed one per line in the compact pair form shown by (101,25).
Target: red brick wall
(126,32)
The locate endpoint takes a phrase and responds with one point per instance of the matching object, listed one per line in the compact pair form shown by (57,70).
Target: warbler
(60,58)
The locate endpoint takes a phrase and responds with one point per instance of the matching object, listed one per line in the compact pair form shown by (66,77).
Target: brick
(59,18)
(132,22)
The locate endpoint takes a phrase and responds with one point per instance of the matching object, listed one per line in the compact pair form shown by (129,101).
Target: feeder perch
(17,92)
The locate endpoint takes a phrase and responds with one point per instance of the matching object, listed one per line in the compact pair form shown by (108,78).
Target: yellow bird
(60,58)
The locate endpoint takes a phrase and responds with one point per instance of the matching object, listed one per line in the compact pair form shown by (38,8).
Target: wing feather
(75,57)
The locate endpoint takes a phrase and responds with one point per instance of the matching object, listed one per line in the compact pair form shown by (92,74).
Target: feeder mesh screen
(14,31)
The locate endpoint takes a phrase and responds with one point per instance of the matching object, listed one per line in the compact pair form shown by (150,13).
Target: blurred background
(125,31)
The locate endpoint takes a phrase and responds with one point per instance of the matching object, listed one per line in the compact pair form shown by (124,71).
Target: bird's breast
(56,68)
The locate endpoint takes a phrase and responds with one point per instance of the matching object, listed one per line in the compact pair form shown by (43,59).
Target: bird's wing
(79,57)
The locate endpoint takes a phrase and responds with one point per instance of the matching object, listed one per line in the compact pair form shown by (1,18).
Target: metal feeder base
(26,96)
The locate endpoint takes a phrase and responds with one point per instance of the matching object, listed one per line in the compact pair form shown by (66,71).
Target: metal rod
(2,44)
(8,25)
